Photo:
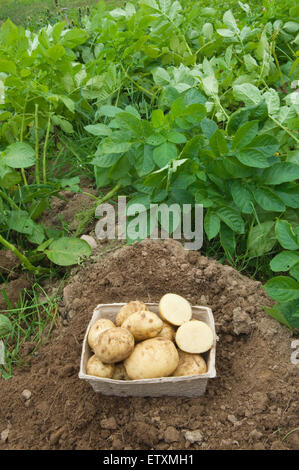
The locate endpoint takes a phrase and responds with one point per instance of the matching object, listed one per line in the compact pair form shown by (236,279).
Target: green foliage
(180,102)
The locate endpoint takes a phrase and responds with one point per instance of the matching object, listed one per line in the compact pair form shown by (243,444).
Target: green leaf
(20,222)
(289,195)
(280,173)
(284,261)
(65,125)
(176,137)
(155,140)
(164,154)
(218,143)
(244,135)
(38,234)
(67,251)
(294,271)
(158,118)
(211,224)
(19,155)
(277,315)
(232,219)
(108,146)
(247,93)
(282,288)
(285,235)
(5,325)
(98,130)
(268,200)
(261,239)
(290,311)
(109,111)
(242,197)
(228,241)
(74,37)
(229,20)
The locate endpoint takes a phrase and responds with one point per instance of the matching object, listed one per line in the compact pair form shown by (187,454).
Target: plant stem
(89,214)
(21,139)
(37,179)
(9,200)
(24,260)
(45,148)
(284,128)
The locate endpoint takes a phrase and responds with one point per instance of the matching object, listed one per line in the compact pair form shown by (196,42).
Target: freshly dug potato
(152,358)
(95,329)
(96,367)
(175,309)
(167,331)
(190,364)
(120,372)
(114,345)
(194,337)
(143,325)
(128,309)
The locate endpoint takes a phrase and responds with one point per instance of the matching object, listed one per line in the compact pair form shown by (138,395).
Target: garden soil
(251,404)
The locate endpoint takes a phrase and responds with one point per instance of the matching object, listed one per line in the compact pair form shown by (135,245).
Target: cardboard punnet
(187,386)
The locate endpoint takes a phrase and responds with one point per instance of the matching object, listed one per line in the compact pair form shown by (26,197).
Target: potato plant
(178,102)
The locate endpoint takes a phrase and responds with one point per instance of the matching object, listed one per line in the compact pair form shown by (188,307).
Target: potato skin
(152,358)
(114,345)
(98,369)
(167,331)
(190,364)
(120,372)
(128,309)
(95,329)
(143,325)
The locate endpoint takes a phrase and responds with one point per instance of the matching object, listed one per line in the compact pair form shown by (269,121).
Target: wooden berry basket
(187,386)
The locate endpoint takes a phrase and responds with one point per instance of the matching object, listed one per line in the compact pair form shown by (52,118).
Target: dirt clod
(256,381)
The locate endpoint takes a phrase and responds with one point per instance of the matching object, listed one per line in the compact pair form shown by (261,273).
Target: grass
(33,12)
(33,320)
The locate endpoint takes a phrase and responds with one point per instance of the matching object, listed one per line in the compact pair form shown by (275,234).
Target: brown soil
(252,404)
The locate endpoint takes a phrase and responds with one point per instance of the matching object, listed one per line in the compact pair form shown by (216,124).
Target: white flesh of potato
(175,309)
(190,364)
(152,358)
(194,337)
(95,329)
(97,368)
(128,309)
(143,325)
(114,345)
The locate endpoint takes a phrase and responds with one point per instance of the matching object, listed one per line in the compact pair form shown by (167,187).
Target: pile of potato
(142,345)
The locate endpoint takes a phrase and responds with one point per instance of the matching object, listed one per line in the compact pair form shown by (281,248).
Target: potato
(190,364)
(95,329)
(128,309)
(120,372)
(152,358)
(194,337)
(96,367)
(175,309)
(167,331)
(143,325)
(114,345)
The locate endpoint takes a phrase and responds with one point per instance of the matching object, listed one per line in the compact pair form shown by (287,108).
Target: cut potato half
(175,309)
(194,337)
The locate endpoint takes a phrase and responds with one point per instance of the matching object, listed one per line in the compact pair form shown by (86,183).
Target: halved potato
(194,337)
(98,368)
(128,309)
(95,329)
(155,357)
(175,309)
(143,325)
(114,345)
(190,364)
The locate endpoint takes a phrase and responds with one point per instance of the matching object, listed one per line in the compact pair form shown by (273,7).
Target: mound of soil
(251,404)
